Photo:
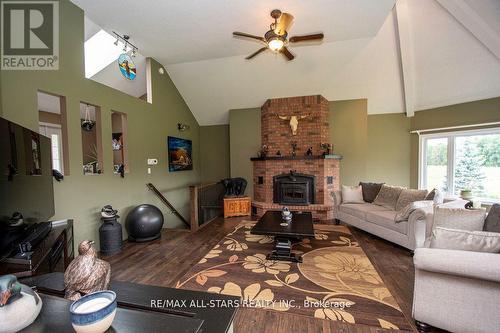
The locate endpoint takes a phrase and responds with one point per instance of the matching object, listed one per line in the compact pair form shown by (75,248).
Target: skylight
(100,51)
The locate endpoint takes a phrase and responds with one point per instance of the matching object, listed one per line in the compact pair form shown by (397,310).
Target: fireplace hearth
(294,189)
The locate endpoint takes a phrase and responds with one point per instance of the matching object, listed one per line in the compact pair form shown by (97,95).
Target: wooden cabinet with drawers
(237,206)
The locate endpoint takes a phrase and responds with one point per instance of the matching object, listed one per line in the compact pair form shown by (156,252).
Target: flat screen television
(26,184)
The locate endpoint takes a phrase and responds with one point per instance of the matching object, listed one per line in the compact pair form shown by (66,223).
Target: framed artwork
(179,154)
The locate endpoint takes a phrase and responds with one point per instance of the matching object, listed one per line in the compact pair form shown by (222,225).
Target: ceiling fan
(276,38)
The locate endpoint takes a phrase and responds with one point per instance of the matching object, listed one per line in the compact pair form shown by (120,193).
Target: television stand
(52,254)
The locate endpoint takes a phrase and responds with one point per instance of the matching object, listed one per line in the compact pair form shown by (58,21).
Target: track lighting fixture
(126,44)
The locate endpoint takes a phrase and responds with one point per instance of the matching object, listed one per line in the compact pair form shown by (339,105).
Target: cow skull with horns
(294,121)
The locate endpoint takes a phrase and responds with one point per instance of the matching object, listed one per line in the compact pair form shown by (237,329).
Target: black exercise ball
(144,223)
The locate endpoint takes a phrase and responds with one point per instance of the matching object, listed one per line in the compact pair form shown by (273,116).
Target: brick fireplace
(304,180)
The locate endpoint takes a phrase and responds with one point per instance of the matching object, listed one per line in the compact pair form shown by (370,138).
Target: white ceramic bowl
(93,313)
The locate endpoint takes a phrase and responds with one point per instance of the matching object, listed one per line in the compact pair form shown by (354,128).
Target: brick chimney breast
(311,113)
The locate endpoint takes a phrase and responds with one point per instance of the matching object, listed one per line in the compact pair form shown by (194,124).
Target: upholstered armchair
(455,290)
(458,291)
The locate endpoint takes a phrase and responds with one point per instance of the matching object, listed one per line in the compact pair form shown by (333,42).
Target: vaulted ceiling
(403,57)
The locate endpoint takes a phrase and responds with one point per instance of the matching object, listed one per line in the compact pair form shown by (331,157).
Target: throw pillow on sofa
(408,196)
(352,194)
(453,239)
(388,196)
(370,190)
(492,222)
(435,195)
(458,218)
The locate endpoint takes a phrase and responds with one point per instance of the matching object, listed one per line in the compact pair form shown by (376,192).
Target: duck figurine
(19,304)
(10,289)
(86,273)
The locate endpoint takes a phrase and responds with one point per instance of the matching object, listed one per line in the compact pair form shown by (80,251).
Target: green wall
(374,147)
(81,197)
(388,153)
(348,134)
(477,112)
(214,153)
(244,134)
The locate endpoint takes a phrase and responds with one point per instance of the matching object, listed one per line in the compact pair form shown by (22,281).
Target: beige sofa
(379,221)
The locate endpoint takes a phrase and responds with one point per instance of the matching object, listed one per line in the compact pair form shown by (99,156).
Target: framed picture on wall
(179,154)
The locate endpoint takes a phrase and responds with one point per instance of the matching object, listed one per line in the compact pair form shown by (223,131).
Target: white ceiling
(359,57)
(192,30)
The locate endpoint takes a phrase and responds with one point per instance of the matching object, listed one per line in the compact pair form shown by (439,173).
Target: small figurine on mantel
(327,148)
(278,153)
(264,150)
(294,148)
(309,151)
(86,273)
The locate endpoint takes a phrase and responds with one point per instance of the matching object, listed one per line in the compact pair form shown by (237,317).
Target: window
(55,134)
(52,124)
(457,161)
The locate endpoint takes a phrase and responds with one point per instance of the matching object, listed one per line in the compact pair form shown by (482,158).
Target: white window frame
(59,127)
(451,136)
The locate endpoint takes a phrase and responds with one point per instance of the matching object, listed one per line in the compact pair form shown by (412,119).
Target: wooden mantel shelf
(305,157)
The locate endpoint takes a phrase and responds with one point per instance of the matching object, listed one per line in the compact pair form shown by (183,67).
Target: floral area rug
(336,280)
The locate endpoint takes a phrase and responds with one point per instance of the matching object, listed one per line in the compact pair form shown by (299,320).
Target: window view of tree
(469,166)
(475,164)
(436,167)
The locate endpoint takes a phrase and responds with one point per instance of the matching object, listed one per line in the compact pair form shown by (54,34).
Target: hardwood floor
(164,261)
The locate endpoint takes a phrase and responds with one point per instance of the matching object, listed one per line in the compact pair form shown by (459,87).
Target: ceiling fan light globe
(276,44)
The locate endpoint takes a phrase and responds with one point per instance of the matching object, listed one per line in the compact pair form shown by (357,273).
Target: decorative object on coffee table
(86,273)
(286,215)
(110,232)
(93,313)
(19,304)
(144,223)
(237,206)
(300,227)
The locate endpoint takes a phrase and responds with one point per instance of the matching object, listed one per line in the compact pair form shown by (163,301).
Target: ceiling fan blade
(242,34)
(256,52)
(284,23)
(304,38)
(287,53)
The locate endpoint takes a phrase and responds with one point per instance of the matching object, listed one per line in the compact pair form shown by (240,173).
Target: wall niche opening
(91,131)
(53,124)
(119,142)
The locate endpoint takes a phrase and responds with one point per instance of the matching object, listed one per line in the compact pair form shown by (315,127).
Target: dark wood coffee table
(285,236)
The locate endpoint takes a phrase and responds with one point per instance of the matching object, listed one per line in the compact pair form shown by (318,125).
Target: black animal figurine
(309,151)
(235,187)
